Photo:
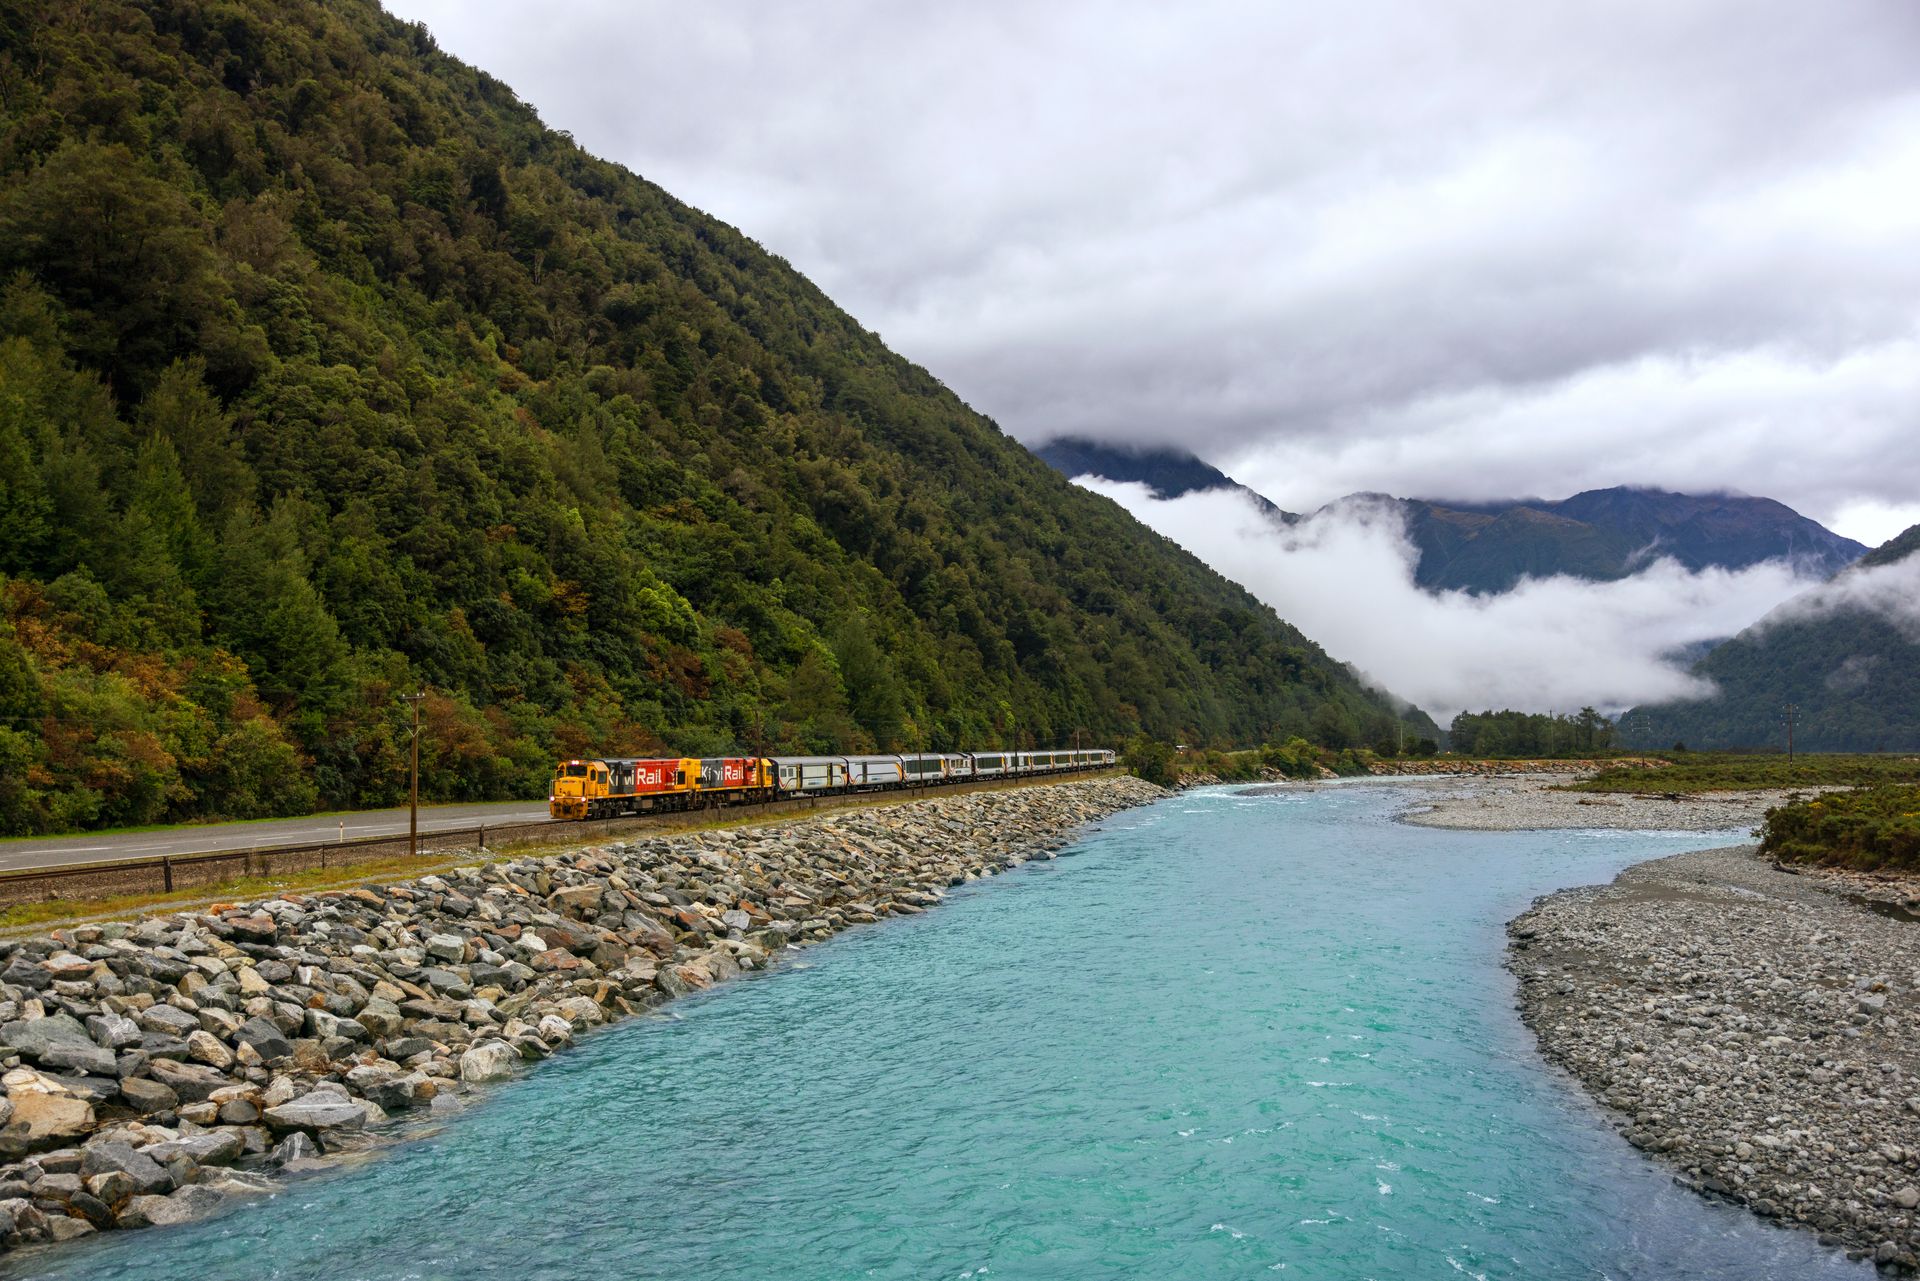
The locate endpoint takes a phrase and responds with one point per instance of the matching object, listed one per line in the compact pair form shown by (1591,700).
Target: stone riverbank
(157,1068)
(1753,1028)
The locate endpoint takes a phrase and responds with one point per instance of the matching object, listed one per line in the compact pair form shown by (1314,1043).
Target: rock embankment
(1756,1031)
(153,1069)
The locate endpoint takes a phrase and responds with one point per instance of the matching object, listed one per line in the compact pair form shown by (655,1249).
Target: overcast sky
(1475,249)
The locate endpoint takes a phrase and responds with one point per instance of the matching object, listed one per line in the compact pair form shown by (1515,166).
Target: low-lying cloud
(1891,591)
(1344,576)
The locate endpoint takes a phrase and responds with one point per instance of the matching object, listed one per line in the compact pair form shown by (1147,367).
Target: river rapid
(1222,1036)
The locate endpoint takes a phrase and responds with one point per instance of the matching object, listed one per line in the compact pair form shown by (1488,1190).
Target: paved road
(87,847)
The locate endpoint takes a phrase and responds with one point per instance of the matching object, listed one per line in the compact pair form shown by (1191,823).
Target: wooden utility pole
(413,786)
(1791,709)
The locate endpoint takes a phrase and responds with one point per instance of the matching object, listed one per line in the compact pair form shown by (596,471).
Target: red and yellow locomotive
(606,788)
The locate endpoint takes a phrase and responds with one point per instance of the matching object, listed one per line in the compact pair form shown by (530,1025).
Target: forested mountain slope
(1845,654)
(326,370)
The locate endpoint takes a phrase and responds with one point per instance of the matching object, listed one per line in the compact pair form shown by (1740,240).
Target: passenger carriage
(810,775)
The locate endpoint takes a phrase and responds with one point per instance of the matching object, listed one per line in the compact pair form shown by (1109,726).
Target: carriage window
(573,771)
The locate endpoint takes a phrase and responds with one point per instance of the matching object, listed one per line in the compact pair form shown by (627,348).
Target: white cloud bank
(1891,591)
(1344,576)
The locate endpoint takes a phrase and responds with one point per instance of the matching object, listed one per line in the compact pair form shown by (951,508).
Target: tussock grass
(1730,772)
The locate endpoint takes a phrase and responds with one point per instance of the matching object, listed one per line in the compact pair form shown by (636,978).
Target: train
(609,787)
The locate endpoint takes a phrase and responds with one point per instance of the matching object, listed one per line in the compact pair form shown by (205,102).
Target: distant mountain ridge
(1847,663)
(1601,534)
(1169,473)
(1604,534)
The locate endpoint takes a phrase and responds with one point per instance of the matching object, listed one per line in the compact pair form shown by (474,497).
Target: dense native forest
(1510,733)
(327,372)
(1851,676)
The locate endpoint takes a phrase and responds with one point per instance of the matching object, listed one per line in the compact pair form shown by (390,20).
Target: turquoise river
(1224,1036)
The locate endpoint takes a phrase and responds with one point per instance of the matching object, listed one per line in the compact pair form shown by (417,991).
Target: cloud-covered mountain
(1844,655)
(1604,534)
(1600,535)
(1169,473)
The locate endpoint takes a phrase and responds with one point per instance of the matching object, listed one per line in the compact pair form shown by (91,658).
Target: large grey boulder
(295,1147)
(381,1017)
(189,1203)
(21,972)
(18,1215)
(89,1059)
(115,1031)
(118,1156)
(318,1111)
(168,1019)
(191,1081)
(328,1026)
(488,1061)
(146,1096)
(390,1090)
(215,1147)
(35,1037)
(267,1040)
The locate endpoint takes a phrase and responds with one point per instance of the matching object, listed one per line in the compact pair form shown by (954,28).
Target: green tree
(873,692)
(816,707)
(275,618)
(1150,759)
(183,409)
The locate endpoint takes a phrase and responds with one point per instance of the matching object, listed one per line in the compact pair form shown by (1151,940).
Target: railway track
(166,873)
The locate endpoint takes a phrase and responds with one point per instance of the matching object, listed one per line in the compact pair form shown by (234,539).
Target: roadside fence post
(166,873)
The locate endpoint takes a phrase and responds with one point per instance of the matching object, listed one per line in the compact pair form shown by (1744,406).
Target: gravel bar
(1522,804)
(1753,1028)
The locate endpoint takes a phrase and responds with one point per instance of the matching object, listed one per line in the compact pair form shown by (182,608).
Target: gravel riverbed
(1756,1029)
(1512,804)
(154,1069)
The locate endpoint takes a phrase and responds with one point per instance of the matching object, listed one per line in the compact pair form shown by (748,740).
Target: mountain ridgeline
(1602,534)
(1167,473)
(1845,656)
(328,372)
(1606,534)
